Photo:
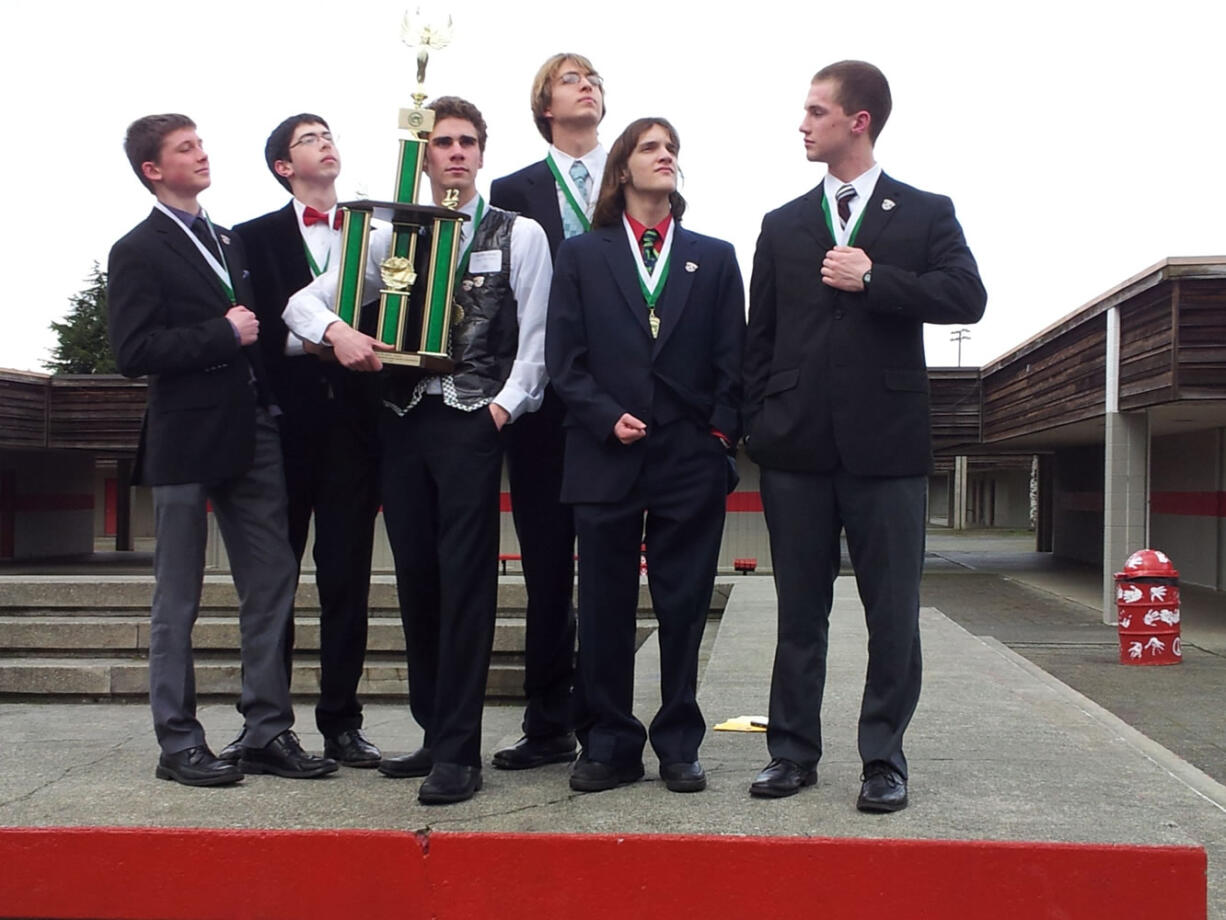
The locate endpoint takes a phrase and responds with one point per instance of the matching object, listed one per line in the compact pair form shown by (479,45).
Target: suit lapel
(173,236)
(813,218)
(542,195)
(621,264)
(877,213)
(291,251)
(676,293)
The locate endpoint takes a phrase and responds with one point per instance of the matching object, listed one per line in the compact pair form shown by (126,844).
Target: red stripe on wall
(737,502)
(744,501)
(171,874)
(1196,504)
(52,501)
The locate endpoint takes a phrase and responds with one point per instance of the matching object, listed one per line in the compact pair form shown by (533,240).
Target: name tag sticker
(487,262)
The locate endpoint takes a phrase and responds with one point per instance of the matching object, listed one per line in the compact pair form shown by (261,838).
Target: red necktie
(311,217)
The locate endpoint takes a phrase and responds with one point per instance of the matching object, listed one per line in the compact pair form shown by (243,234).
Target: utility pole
(959,336)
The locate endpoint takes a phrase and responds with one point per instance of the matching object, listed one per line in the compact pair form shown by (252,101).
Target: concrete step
(130,634)
(129,677)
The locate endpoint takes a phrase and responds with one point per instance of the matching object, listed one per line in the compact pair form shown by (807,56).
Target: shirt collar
(594,159)
(186,217)
(863,183)
(640,229)
(299,208)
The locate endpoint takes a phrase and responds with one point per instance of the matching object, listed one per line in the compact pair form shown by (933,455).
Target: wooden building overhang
(1050,391)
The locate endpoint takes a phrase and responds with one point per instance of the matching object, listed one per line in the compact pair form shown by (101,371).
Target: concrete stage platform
(999,752)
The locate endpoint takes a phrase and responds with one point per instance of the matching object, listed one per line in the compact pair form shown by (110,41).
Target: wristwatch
(867,277)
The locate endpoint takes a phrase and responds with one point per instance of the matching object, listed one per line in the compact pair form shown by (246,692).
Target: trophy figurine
(415,322)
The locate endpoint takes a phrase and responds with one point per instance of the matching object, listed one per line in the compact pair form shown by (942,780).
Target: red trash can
(1147,609)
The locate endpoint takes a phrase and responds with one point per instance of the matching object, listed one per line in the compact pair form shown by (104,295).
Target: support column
(958,488)
(1125,475)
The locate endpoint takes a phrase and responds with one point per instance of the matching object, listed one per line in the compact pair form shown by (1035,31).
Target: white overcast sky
(1080,141)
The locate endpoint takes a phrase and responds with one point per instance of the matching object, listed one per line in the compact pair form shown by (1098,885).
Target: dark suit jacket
(604,363)
(279,269)
(532,192)
(167,320)
(833,377)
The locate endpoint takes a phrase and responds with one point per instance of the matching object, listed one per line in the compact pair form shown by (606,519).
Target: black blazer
(279,269)
(603,361)
(833,377)
(532,192)
(167,320)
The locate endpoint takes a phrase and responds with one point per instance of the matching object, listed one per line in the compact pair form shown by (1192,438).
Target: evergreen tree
(83,344)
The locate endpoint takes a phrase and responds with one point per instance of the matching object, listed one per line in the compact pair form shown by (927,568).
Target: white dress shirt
(594,160)
(309,312)
(324,244)
(864,185)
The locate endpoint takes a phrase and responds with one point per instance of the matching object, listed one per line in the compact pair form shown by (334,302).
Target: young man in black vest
(442,452)
(328,418)
(177,294)
(558,192)
(836,414)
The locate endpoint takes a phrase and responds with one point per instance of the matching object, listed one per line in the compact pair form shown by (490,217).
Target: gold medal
(654,322)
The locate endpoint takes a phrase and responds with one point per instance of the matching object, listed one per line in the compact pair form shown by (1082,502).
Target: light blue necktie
(571,226)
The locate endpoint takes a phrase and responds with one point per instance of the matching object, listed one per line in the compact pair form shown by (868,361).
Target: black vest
(485,336)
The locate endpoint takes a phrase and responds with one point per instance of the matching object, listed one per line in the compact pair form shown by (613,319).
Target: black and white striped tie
(844,197)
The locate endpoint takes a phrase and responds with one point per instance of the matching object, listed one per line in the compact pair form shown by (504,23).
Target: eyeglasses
(571,77)
(310,139)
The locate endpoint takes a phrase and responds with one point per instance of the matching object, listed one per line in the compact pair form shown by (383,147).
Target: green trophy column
(355,241)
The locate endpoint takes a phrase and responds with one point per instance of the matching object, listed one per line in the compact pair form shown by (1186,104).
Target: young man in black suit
(836,396)
(328,422)
(559,193)
(644,343)
(177,289)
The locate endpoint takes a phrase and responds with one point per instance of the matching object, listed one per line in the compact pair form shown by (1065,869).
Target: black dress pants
(441,477)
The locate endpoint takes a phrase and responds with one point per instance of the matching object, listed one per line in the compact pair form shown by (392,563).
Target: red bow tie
(311,217)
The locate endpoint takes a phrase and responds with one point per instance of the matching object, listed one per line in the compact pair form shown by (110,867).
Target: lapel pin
(691,266)
(225,239)
(887,205)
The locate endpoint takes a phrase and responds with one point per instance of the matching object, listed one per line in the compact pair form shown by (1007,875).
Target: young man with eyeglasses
(560,194)
(178,291)
(442,438)
(329,438)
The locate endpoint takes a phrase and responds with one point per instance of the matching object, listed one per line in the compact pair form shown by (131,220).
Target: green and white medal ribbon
(570,191)
(851,237)
(651,283)
(220,269)
(461,267)
(316,271)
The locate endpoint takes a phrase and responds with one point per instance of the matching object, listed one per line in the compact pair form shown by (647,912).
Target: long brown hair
(612,201)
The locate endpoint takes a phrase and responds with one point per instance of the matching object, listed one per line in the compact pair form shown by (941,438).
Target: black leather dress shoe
(233,752)
(781,778)
(883,789)
(284,756)
(683,777)
(197,766)
(594,776)
(351,749)
(527,753)
(416,764)
(448,783)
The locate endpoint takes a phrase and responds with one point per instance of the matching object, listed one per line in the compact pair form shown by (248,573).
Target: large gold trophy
(414,318)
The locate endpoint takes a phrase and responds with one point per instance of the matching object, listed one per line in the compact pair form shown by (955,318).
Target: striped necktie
(844,197)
